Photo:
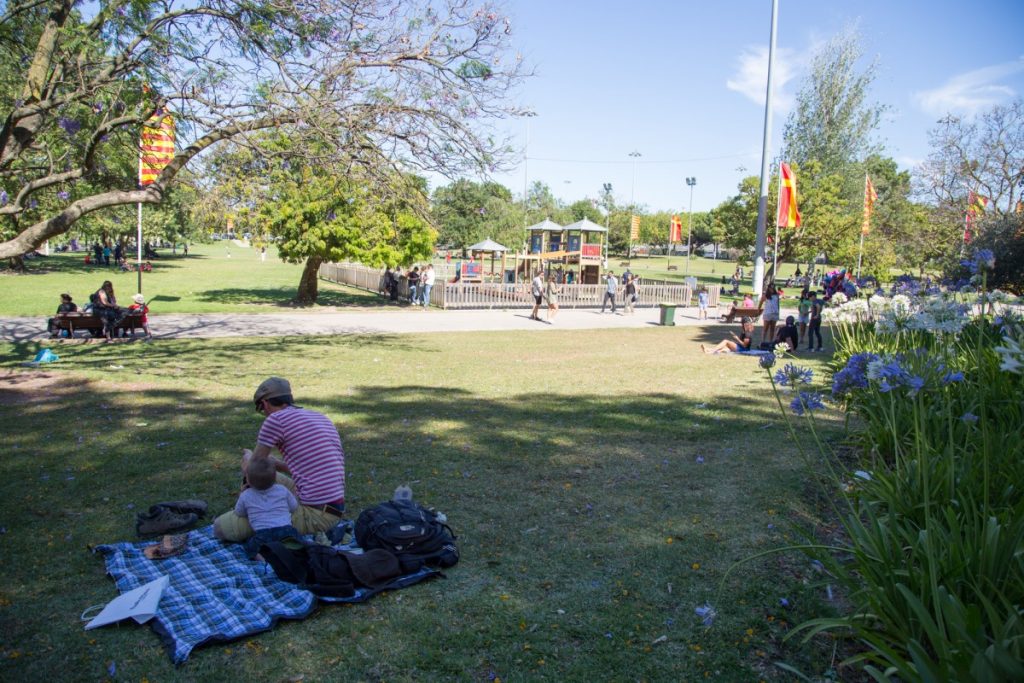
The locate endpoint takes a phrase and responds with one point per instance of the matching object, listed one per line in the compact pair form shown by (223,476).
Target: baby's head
(261,473)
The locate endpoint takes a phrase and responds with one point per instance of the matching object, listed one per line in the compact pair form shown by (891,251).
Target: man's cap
(139,299)
(272,387)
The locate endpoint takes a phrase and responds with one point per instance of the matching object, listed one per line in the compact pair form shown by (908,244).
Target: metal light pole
(632,204)
(689,228)
(607,187)
(762,202)
(526,176)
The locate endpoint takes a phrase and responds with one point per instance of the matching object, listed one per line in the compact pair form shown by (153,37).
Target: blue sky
(683,83)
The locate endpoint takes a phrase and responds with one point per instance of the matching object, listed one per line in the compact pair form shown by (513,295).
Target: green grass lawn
(601,484)
(207,281)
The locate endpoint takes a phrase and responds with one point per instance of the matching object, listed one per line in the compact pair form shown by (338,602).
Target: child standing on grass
(139,307)
(267,505)
(702,303)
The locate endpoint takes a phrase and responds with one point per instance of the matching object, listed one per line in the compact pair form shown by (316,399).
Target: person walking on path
(313,465)
(609,293)
(814,328)
(629,296)
(702,303)
(537,291)
(553,290)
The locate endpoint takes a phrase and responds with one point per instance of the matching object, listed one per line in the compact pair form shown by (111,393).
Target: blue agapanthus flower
(951,377)
(807,401)
(793,375)
(767,361)
(983,259)
(853,376)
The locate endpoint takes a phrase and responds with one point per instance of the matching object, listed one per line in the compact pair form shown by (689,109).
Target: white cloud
(751,76)
(968,93)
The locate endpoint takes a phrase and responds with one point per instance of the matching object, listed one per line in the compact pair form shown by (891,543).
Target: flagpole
(864,218)
(762,201)
(138,236)
(775,258)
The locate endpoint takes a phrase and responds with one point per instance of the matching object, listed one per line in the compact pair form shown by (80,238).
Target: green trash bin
(668,314)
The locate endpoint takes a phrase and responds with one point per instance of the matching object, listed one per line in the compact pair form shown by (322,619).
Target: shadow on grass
(74,264)
(557,499)
(284,297)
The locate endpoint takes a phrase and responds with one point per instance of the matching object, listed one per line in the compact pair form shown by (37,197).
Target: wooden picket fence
(458,295)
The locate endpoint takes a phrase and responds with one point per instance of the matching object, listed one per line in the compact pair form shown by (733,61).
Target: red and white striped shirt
(311,448)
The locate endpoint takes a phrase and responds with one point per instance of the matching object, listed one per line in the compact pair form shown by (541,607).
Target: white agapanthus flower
(838,299)
(1011,356)
(879,304)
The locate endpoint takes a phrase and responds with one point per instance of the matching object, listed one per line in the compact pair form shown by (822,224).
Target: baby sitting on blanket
(267,505)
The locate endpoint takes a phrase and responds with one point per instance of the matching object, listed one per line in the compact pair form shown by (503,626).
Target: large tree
(467,212)
(983,155)
(834,120)
(319,218)
(380,85)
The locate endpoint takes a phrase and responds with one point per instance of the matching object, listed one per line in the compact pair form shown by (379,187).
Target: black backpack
(410,531)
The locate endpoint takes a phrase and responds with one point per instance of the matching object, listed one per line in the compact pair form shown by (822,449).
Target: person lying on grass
(311,450)
(739,342)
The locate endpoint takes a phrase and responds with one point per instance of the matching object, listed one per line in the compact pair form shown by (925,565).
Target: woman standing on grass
(770,304)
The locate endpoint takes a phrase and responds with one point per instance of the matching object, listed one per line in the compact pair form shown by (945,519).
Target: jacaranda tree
(387,86)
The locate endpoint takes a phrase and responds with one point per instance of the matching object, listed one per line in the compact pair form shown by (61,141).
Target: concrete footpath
(389,321)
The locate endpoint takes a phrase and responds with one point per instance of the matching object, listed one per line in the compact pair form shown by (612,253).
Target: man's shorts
(307,519)
(539,298)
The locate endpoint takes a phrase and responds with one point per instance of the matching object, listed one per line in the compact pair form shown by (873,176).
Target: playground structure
(577,250)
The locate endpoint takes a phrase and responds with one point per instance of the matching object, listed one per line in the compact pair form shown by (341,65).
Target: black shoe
(183,507)
(160,520)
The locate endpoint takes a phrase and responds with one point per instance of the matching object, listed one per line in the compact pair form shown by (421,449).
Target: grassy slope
(567,463)
(208,281)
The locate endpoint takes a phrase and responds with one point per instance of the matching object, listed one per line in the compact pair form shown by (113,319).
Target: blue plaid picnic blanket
(216,593)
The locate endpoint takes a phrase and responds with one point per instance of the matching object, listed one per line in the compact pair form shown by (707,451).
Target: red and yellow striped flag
(156,146)
(634,229)
(976,204)
(788,215)
(675,230)
(870,197)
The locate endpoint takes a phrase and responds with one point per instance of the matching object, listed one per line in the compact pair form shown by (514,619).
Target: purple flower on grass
(63,195)
(33,204)
(706,613)
(969,418)
(784,602)
(3,197)
(807,401)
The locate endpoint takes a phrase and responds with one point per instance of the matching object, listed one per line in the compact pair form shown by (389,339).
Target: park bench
(673,267)
(624,263)
(752,313)
(72,322)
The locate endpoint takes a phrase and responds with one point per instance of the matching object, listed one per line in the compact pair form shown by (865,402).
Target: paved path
(391,321)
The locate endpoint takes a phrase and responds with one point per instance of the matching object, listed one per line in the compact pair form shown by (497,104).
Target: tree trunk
(310,279)
(17,264)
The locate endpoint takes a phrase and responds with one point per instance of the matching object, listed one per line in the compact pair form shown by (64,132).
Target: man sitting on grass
(313,457)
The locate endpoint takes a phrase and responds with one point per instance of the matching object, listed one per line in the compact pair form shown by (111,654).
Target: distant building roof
(586,226)
(487,245)
(546,224)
